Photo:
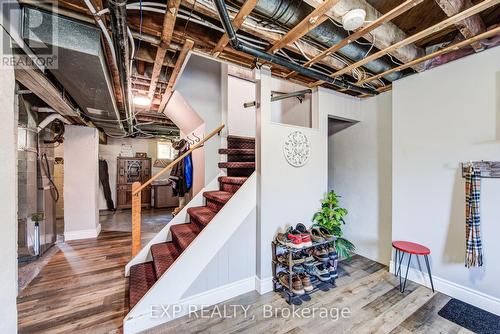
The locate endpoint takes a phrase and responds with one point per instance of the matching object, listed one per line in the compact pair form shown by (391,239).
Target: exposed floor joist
(311,21)
(469,27)
(166,37)
(382,37)
(238,20)
(426,32)
(188,45)
(453,47)
(405,6)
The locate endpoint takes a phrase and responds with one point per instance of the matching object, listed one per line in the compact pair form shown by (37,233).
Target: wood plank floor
(82,290)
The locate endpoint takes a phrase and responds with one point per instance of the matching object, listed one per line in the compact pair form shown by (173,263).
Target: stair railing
(137,188)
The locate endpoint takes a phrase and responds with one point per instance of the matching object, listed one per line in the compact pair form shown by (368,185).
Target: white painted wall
(8,199)
(360,161)
(240,120)
(443,117)
(81,183)
(286,195)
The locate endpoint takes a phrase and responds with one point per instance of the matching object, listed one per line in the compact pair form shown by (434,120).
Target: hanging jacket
(178,174)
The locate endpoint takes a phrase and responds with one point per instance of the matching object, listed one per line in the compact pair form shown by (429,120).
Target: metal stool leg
(400,260)
(406,276)
(396,262)
(429,271)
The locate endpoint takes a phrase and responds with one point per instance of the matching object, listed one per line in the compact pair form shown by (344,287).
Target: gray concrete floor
(153,221)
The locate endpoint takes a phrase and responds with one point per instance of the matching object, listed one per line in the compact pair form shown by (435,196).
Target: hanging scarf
(474,248)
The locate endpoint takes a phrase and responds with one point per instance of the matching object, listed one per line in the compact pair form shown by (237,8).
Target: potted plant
(331,216)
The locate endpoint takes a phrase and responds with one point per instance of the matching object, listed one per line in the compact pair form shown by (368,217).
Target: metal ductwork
(81,67)
(289,13)
(240,46)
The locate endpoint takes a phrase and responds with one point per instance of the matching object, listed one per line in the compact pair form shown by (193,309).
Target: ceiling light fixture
(143,101)
(353,19)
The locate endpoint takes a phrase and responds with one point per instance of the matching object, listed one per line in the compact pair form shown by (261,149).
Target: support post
(136,218)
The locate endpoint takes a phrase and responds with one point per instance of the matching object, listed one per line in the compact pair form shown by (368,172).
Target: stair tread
(218,196)
(202,214)
(184,234)
(237,151)
(239,180)
(236,164)
(164,254)
(142,278)
(241,138)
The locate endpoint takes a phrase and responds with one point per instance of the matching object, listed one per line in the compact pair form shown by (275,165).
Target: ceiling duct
(81,67)
(289,13)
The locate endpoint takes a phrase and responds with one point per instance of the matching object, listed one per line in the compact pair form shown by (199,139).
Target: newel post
(136,219)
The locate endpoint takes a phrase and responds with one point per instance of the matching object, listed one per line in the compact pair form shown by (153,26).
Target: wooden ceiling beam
(238,20)
(311,21)
(188,45)
(166,37)
(453,47)
(382,37)
(470,27)
(404,7)
(422,34)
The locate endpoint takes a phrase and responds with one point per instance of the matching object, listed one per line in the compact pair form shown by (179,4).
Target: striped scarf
(474,248)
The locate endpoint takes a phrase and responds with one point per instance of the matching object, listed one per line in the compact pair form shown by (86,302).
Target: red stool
(402,247)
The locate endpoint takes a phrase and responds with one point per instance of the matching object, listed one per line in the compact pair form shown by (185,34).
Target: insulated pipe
(118,13)
(49,119)
(240,46)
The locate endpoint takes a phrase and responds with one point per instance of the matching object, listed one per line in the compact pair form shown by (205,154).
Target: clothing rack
(489,169)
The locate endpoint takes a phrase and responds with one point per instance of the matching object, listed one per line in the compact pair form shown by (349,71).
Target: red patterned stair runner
(240,165)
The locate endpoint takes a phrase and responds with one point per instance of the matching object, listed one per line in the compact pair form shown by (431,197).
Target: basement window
(164,153)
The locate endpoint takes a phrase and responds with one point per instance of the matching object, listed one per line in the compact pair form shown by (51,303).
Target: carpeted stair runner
(241,164)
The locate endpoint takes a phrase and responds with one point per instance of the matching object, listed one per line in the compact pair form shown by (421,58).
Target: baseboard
(264,285)
(463,293)
(82,234)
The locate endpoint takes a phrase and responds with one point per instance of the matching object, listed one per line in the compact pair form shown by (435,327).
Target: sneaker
(321,254)
(316,235)
(297,287)
(332,253)
(283,239)
(326,234)
(320,272)
(298,269)
(306,282)
(306,236)
(296,259)
(295,237)
(308,254)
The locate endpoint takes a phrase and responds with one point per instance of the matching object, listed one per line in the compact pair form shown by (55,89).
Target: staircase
(240,165)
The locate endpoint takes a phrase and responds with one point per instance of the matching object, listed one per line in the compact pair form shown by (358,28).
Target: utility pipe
(240,46)
(281,97)
(49,119)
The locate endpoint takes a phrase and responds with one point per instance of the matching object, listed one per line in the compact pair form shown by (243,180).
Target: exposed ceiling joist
(469,27)
(382,37)
(188,45)
(402,8)
(453,47)
(311,21)
(424,33)
(166,37)
(238,20)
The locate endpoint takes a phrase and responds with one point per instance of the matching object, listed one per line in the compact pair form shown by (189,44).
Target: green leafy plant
(331,216)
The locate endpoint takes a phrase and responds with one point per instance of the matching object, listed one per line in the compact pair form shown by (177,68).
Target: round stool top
(411,247)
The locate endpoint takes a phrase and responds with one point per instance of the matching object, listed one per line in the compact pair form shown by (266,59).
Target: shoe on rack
(316,235)
(297,287)
(308,255)
(332,252)
(296,259)
(298,269)
(306,282)
(321,254)
(283,239)
(295,237)
(326,234)
(319,271)
(306,236)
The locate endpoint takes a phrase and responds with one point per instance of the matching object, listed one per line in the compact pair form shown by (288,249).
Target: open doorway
(335,125)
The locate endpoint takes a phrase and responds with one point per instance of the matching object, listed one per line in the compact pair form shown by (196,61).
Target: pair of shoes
(321,271)
(300,283)
(284,259)
(319,253)
(321,234)
(299,236)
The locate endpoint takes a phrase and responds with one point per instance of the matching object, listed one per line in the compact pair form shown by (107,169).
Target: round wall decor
(297,149)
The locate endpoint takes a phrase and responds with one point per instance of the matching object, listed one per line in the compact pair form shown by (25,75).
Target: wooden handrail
(137,188)
(182,156)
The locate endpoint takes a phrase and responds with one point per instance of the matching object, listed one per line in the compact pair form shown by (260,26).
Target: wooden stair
(241,164)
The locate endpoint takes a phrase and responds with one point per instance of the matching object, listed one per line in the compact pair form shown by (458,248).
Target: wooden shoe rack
(278,267)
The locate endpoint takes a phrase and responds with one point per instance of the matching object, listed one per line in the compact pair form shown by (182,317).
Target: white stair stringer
(164,235)
(168,291)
